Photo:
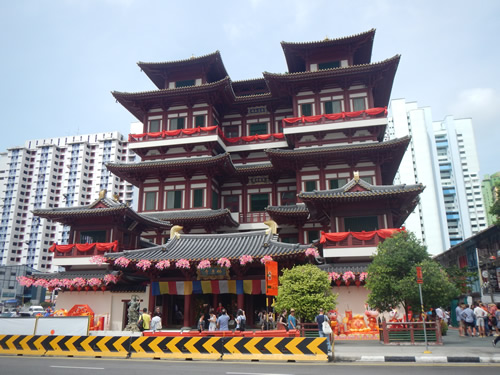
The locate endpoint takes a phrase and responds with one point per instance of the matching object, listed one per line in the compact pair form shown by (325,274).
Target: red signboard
(272,278)
(420,279)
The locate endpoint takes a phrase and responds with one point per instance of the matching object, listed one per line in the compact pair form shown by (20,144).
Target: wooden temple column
(302,236)
(187,310)
(240,301)
(152,299)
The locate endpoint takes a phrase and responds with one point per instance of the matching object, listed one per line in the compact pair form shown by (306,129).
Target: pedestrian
(282,323)
(146,319)
(292,320)
(240,320)
(223,321)
(320,318)
(156,322)
(461,323)
(439,313)
(468,317)
(213,320)
(219,309)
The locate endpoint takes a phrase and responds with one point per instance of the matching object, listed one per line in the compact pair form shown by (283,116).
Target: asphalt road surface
(74,366)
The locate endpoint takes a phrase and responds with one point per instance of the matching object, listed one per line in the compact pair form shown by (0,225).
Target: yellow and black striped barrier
(276,348)
(177,347)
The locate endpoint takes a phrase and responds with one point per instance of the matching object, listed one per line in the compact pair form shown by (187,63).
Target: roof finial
(102,194)
(356,176)
(192,56)
(273,227)
(326,38)
(174,231)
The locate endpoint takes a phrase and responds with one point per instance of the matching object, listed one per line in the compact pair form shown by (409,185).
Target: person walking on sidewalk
(497,316)
(320,318)
(292,320)
(468,317)
(461,323)
(480,319)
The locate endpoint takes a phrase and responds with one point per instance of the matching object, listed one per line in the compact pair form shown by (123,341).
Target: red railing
(329,118)
(254,217)
(204,131)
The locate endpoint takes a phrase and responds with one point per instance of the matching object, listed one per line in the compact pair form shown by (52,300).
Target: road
(75,366)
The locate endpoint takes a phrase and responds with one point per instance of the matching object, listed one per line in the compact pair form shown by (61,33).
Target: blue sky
(62,58)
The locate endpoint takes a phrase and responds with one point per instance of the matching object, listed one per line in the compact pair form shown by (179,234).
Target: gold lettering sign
(258,180)
(213,273)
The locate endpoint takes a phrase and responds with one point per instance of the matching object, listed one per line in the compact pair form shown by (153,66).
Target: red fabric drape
(362,236)
(336,116)
(313,118)
(208,128)
(100,246)
(155,135)
(171,133)
(190,131)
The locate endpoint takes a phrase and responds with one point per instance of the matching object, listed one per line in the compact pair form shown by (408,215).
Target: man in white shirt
(480,314)
(440,313)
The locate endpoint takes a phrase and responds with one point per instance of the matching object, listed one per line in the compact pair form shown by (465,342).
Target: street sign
(420,279)
(272,278)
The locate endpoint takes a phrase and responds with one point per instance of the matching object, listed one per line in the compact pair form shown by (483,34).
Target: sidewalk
(454,349)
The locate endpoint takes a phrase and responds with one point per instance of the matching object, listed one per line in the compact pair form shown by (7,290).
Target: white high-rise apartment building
(49,173)
(442,156)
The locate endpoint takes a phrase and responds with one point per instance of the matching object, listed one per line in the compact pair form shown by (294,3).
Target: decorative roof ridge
(263,232)
(350,67)
(372,188)
(248,80)
(339,147)
(245,97)
(192,58)
(176,160)
(344,38)
(177,89)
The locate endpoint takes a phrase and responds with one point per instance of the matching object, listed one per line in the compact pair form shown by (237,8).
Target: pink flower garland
(182,263)
(79,282)
(265,259)
(244,259)
(348,275)
(98,259)
(312,252)
(54,283)
(333,276)
(66,283)
(162,264)
(224,262)
(110,279)
(143,264)
(25,281)
(363,276)
(94,282)
(204,264)
(122,262)
(41,282)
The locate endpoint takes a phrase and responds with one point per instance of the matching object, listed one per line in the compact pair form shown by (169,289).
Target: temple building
(291,167)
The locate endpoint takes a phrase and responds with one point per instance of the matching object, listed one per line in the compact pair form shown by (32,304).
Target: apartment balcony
(335,121)
(203,135)
(354,244)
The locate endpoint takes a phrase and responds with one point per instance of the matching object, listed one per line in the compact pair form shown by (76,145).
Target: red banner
(271,278)
(362,236)
(100,246)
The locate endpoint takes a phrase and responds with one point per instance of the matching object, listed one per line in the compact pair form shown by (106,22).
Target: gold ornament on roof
(174,231)
(356,176)
(102,194)
(273,227)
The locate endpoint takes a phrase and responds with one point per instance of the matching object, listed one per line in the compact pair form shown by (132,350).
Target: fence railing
(411,333)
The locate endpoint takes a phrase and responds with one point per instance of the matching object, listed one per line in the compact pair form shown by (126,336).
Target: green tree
(495,208)
(392,276)
(306,289)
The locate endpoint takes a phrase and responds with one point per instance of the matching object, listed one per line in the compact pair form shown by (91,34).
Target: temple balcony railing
(83,250)
(253,217)
(340,244)
(335,121)
(204,135)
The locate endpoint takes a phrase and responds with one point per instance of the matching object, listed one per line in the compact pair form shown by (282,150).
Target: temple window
(231,131)
(154,126)
(329,65)
(358,104)
(198,197)
(368,179)
(334,106)
(174,199)
(150,201)
(290,238)
(232,202)
(185,83)
(309,185)
(199,120)
(288,198)
(93,236)
(215,200)
(258,128)
(177,123)
(361,223)
(312,235)
(306,109)
(337,183)
(259,202)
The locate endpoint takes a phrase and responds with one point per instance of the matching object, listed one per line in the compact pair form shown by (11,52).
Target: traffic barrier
(176,347)
(22,344)
(88,346)
(276,348)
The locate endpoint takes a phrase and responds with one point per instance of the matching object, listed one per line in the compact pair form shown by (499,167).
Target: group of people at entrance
(146,323)
(479,320)
(218,320)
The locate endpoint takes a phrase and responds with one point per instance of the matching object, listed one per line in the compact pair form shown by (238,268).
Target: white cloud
(480,103)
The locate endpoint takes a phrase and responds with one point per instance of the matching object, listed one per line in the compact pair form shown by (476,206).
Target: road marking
(86,368)
(252,373)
